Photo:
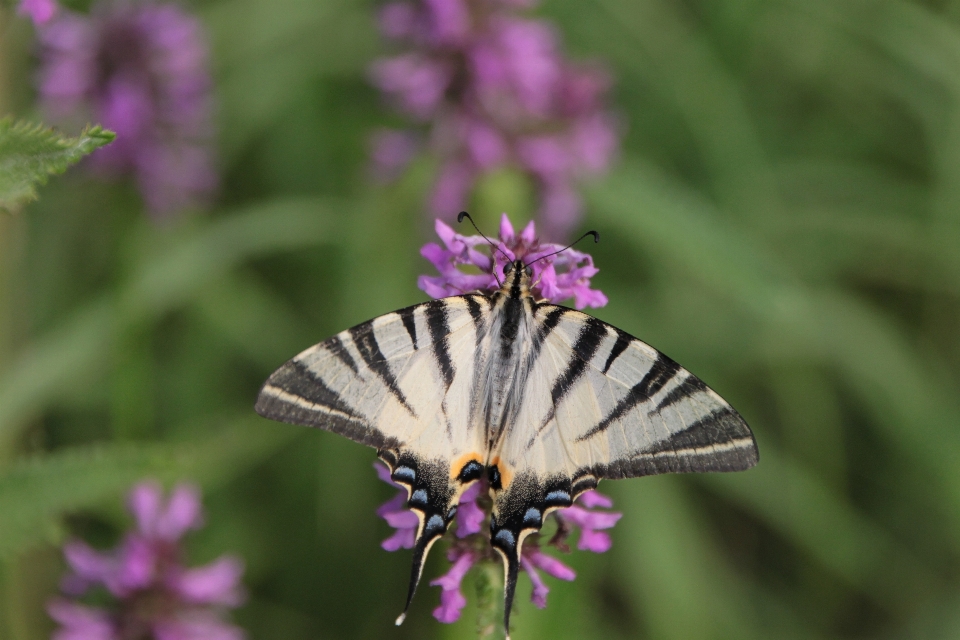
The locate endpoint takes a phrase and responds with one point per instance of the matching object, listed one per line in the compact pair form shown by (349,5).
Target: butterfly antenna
(464,214)
(596,239)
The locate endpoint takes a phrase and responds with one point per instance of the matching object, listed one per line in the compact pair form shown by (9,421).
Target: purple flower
(395,512)
(496,91)
(532,559)
(452,600)
(139,69)
(40,11)
(471,546)
(590,521)
(152,593)
(555,278)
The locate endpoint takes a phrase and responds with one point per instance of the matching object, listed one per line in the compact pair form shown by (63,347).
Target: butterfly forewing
(619,408)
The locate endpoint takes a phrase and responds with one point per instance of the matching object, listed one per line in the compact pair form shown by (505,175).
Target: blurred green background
(783,222)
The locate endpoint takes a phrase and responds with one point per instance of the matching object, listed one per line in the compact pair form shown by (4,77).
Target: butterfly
(542,400)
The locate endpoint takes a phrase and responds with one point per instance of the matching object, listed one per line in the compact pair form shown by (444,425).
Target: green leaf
(36,493)
(31,152)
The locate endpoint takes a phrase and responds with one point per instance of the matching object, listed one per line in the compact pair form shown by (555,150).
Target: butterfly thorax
(511,330)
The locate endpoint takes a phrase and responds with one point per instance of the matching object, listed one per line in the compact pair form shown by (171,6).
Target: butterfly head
(516,279)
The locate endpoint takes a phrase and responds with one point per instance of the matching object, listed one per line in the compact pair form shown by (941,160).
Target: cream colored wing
(404,383)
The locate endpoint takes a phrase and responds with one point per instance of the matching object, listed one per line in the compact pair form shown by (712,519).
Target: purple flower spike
(496,91)
(155,595)
(555,278)
(141,70)
(591,521)
(452,600)
(40,11)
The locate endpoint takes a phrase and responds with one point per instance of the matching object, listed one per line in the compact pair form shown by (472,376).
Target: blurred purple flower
(556,278)
(140,69)
(471,546)
(153,594)
(40,11)
(497,92)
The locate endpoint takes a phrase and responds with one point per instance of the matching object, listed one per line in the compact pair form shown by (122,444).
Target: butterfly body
(542,400)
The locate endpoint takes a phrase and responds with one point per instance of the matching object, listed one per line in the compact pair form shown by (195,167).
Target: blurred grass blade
(73,352)
(30,153)
(36,493)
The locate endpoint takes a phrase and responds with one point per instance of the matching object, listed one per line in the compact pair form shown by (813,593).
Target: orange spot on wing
(457,465)
(506,473)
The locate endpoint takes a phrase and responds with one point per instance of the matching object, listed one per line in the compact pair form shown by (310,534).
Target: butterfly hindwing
(404,383)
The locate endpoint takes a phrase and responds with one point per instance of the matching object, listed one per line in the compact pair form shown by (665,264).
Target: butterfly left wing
(403,383)
(598,403)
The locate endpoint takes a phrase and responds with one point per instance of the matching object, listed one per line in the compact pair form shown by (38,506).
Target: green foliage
(29,153)
(37,491)
(784,221)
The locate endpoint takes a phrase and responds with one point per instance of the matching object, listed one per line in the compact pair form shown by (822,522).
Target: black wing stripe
(475,306)
(660,374)
(406,316)
(545,327)
(335,346)
(623,341)
(298,380)
(436,313)
(683,390)
(722,426)
(586,346)
(366,343)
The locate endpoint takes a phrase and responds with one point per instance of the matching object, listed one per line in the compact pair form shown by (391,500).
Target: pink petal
(449,21)
(396,503)
(144,503)
(183,512)
(470,516)
(593,498)
(540,589)
(80,622)
(137,565)
(215,583)
(595,541)
(40,11)
(90,566)
(452,600)
(404,519)
(529,233)
(551,565)
(401,539)
(507,233)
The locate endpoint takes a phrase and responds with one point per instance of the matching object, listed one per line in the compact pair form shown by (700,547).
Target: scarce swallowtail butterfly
(543,400)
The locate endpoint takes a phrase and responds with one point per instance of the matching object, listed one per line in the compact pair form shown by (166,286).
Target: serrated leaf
(30,153)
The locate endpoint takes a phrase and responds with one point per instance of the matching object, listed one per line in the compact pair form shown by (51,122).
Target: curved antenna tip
(595,234)
(403,616)
(462,215)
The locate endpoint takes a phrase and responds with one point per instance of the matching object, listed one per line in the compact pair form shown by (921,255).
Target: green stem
(489,601)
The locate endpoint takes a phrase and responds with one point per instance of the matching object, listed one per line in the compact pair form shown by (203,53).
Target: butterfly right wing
(404,383)
(599,403)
